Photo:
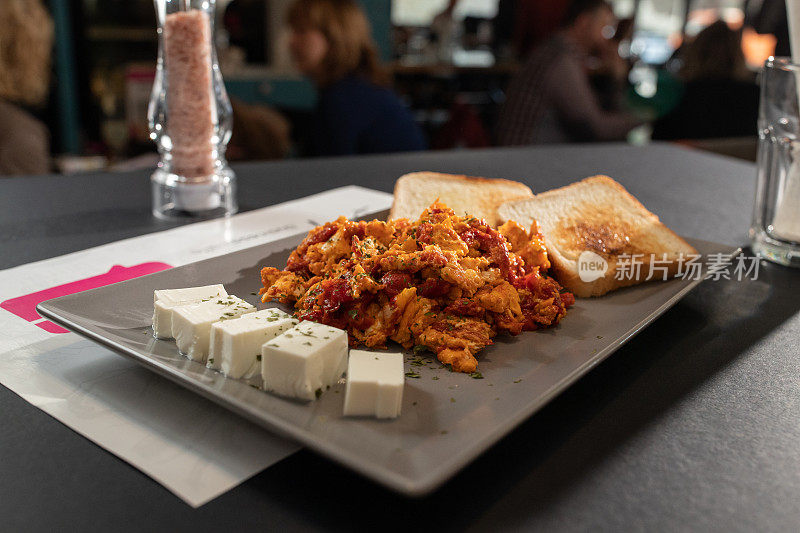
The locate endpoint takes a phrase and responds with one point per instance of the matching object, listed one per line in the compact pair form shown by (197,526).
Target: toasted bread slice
(479,197)
(598,215)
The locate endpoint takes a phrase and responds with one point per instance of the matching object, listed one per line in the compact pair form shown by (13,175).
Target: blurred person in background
(446,30)
(259,133)
(551,99)
(26,42)
(536,21)
(356,112)
(720,97)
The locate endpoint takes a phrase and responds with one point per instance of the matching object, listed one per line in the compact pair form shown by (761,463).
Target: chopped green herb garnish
(318,393)
(211,360)
(476,375)
(412,374)
(435,378)
(517,380)
(258,357)
(307,343)
(419,348)
(452,400)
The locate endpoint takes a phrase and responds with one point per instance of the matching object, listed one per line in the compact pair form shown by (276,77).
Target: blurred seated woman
(356,113)
(26,42)
(720,97)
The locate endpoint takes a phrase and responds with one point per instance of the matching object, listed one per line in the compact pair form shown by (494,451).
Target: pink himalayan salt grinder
(190,116)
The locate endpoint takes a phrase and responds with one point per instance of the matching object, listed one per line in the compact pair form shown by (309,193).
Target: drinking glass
(775,231)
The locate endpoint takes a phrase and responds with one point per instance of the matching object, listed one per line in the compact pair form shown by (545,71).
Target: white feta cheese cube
(235,345)
(304,361)
(176,296)
(191,324)
(374,384)
(166,299)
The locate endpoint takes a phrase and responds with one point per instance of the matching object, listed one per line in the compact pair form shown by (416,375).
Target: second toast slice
(596,219)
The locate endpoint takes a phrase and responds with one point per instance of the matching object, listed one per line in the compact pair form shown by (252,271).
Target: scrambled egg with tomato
(444,283)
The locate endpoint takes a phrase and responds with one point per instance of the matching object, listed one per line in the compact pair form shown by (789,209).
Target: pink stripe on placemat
(25,306)
(51,327)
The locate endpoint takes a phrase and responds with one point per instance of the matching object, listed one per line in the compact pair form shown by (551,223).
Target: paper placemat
(188,444)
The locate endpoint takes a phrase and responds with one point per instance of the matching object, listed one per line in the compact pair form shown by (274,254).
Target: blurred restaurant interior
(677,69)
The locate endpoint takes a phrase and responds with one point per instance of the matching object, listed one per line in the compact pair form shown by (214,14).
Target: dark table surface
(693,425)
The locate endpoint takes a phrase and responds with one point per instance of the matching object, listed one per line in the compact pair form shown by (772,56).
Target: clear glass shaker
(190,116)
(775,230)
